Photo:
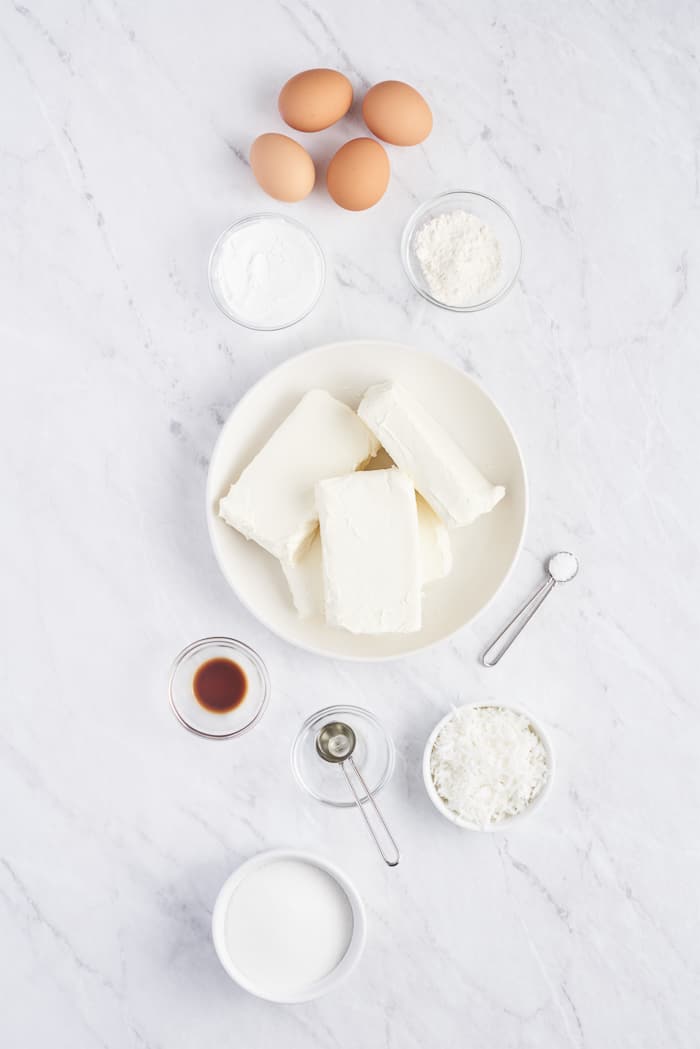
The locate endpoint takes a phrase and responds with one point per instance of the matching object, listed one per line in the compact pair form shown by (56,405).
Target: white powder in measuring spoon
(460,257)
(267,273)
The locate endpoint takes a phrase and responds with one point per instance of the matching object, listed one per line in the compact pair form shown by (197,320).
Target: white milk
(288,925)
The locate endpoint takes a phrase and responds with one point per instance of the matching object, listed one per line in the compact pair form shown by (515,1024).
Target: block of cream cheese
(434,546)
(305,576)
(451,484)
(305,580)
(273,500)
(369,542)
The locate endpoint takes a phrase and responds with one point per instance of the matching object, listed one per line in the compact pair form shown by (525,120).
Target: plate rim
(307,646)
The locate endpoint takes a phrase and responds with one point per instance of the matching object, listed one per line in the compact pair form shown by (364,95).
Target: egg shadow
(322,146)
(354,120)
(266,94)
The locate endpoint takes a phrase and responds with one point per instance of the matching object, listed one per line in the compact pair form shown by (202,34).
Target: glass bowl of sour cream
(266,272)
(461,251)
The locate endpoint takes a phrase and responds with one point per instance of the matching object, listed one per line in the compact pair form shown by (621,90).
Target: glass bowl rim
(246,221)
(236,645)
(409,231)
(353,709)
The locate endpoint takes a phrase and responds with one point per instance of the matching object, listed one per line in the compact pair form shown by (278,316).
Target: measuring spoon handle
(392,859)
(522,617)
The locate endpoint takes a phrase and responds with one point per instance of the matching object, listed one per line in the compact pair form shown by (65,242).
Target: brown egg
(314,100)
(397,113)
(282,167)
(358,174)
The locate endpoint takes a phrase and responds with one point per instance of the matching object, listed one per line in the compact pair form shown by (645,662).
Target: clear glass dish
(374,756)
(206,723)
(494,215)
(239,318)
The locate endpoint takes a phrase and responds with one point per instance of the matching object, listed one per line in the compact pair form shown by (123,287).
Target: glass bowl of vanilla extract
(219,688)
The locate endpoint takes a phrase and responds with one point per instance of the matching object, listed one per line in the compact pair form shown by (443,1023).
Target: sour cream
(284,927)
(266,272)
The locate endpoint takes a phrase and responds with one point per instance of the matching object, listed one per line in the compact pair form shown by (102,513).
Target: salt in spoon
(561,568)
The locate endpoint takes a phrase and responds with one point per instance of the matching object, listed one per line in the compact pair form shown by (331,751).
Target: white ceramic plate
(484,552)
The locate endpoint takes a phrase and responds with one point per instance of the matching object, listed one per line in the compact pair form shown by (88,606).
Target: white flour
(460,257)
(268,273)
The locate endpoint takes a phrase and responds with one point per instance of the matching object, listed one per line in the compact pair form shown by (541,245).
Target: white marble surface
(124,130)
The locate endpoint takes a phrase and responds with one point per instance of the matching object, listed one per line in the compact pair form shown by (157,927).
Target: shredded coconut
(460,257)
(488,764)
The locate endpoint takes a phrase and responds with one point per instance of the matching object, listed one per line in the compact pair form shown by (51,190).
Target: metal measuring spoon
(335,743)
(562,568)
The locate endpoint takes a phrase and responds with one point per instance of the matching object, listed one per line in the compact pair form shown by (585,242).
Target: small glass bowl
(374,756)
(494,215)
(189,711)
(264,216)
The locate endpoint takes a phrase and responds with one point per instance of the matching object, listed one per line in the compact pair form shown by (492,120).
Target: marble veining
(124,137)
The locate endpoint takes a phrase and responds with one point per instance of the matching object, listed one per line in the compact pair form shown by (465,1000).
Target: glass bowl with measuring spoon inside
(219,688)
(374,755)
(343,756)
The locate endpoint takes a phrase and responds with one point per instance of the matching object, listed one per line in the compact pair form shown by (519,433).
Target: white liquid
(288,925)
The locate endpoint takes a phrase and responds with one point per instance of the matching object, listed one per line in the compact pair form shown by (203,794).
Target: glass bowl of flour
(461,251)
(266,272)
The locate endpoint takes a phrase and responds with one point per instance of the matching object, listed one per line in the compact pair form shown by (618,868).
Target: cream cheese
(434,546)
(273,501)
(440,470)
(369,540)
(305,576)
(305,581)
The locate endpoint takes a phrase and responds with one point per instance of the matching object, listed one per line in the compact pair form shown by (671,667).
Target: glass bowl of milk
(288,926)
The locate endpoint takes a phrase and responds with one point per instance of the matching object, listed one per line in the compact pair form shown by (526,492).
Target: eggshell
(314,100)
(397,113)
(358,174)
(282,167)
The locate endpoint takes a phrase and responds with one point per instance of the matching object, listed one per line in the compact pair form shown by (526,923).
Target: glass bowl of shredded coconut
(461,251)
(487,766)
(266,272)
